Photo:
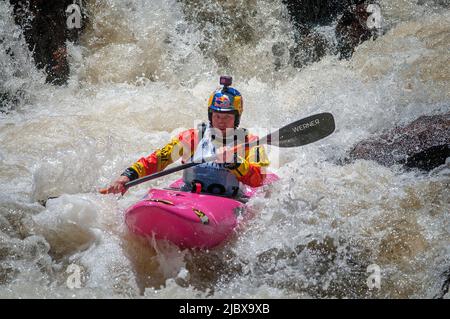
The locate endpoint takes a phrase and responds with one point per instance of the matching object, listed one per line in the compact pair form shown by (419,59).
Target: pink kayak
(189,220)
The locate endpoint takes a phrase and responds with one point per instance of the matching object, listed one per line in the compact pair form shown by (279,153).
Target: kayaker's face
(222,121)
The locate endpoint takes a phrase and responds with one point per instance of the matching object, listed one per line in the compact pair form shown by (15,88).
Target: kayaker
(225,107)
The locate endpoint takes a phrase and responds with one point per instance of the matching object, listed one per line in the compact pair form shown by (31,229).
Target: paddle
(299,133)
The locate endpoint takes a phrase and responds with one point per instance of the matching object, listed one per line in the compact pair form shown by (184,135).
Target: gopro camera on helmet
(226,80)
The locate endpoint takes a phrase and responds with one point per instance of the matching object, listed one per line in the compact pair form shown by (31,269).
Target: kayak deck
(189,220)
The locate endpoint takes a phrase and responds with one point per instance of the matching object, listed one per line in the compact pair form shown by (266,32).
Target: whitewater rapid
(144,72)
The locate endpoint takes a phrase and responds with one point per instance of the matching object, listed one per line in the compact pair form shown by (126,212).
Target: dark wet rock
(352,29)
(45,29)
(430,158)
(307,13)
(423,144)
(234,23)
(445,286)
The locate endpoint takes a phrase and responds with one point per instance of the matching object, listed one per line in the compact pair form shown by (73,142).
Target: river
(142,72)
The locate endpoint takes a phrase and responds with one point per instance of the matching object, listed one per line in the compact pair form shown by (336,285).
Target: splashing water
(144,71)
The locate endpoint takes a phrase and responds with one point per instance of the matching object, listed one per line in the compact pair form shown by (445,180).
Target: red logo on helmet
(222,101)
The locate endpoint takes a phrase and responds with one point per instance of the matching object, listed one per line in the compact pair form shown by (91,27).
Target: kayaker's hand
(118,186)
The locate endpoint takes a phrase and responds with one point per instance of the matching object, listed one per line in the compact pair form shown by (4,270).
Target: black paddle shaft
(300,133)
